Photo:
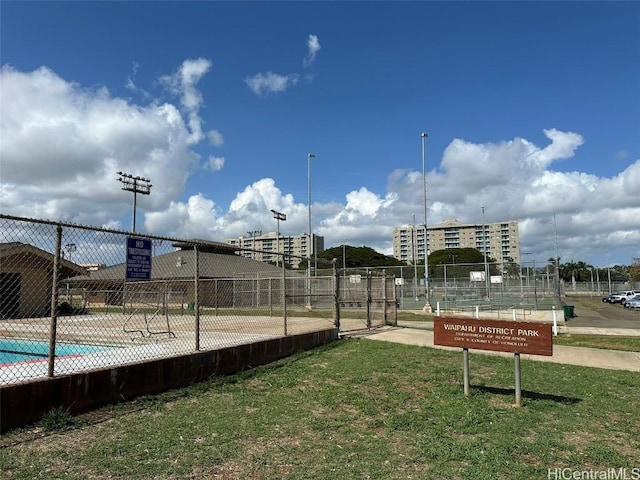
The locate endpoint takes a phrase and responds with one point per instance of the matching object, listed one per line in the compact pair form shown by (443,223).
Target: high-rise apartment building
(268,247)
(501,239)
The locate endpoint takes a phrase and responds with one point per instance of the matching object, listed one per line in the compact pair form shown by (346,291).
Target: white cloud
(183,83)
(195,219)
(265,83)
(85,135)
(83,138)
(215,163)
(215,138)
(313,46)
(563,145)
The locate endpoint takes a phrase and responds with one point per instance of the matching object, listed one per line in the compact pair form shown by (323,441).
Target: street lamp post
(427,306)
(278,216)
(310,242)
(136,185)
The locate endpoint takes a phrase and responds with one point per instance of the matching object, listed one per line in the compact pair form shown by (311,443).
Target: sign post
(516,358)
(138,258)
(465,370)
(495,335)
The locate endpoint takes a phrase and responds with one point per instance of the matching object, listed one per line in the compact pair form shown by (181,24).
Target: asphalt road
(593,312)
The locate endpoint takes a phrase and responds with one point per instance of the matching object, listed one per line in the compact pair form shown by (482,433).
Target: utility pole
(136,185)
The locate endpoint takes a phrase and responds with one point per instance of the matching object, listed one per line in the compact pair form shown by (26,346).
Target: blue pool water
(14,351)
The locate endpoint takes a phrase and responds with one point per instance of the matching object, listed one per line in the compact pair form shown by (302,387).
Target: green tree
(578,271)
(511,269)
(459,263)
(354,257)
(634,270)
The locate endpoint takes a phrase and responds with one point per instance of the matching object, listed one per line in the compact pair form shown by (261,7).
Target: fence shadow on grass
(527,394)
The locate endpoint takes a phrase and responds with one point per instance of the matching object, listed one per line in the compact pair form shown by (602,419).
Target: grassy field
(352,410)
(607,342)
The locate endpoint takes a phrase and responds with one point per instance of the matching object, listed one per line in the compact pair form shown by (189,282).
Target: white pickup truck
(621,297)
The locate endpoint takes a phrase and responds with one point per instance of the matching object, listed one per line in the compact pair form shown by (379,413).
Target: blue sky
(532,110)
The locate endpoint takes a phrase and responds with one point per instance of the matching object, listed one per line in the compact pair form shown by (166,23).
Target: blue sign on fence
(138,258)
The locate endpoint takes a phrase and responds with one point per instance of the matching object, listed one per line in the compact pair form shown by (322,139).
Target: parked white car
(621,297)
(632,302)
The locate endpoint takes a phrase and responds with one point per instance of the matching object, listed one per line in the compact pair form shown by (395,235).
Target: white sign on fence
(476,276)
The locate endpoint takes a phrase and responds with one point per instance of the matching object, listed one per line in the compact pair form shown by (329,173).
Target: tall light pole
(309,247)
(484,247)
(427,306)
(278,216)
(136,185)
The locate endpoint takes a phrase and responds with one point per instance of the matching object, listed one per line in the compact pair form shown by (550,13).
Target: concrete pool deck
(139,338)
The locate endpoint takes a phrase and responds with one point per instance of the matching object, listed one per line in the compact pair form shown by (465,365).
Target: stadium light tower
(278,216)
(136,185)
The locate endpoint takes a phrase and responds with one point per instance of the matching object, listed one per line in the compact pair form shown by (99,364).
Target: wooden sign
(497,335)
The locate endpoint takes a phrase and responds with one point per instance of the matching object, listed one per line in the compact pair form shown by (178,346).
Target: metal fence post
(196,291)
(395,302)
(368,300)
(384,296)
(283,289)
(54,303)
(336,296)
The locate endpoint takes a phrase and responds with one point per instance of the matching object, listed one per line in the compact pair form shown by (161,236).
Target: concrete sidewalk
(587,357)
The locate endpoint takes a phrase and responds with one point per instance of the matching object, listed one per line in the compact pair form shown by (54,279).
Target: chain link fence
(74,298)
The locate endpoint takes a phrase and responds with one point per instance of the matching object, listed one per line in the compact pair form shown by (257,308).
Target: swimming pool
(14,351)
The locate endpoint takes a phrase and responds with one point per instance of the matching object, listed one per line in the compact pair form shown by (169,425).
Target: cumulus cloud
(265,83)
(86,135)
(83,137)
(313,47)
(183,83)
(197,218)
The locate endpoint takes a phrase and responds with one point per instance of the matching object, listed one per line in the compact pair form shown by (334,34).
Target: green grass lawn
(355,409)
(608,342)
